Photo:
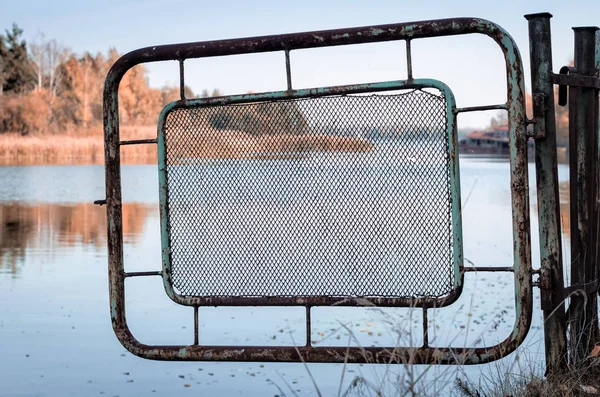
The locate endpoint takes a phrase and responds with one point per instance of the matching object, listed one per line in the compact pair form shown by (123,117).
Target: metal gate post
(583,142)
(551,279)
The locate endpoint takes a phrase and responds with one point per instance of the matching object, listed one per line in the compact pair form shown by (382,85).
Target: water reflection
(46,227)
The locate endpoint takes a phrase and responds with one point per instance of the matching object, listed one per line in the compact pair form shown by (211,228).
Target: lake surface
(55,331)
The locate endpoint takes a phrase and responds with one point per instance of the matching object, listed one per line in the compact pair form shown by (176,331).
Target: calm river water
(55,331)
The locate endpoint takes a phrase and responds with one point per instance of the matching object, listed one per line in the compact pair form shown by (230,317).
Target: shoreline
(17,150)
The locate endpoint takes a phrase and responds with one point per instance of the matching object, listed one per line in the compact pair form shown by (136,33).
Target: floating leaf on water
(187,385)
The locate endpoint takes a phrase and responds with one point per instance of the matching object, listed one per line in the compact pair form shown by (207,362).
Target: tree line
(47,89)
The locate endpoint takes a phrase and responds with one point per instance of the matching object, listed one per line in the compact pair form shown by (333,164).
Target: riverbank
(84,147)
(88,147)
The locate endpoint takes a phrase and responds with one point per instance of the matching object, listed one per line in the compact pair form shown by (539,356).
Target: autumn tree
(83,78)
(170,93)
(53,90)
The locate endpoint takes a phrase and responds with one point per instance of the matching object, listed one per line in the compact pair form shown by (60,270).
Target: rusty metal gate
(295,212)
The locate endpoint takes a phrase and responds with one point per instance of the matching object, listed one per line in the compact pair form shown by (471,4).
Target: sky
(471,65)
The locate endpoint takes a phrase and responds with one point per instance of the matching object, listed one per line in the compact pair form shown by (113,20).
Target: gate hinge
(539,121)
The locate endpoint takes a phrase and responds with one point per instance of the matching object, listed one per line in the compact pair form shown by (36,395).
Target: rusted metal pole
(551,266)
(583,142)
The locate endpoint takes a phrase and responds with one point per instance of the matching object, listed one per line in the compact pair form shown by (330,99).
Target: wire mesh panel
(338,196)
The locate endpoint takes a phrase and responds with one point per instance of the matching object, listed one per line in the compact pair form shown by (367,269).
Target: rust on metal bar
(181,79)
(196,326)
(308,327)
(488,269)
(138,142)
(583,146)
(409,68)
(425,328)
(551,276)
(288,70)
(314,300)
(481,108)
(142,274)
(576,80)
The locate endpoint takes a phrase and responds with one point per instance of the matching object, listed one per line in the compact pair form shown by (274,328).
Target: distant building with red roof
(492,141)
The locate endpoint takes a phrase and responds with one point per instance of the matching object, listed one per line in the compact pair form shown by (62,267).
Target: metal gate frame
(515,106)
(315,300)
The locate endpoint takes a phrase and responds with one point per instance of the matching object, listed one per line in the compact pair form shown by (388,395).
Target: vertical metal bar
(114,208)
(425,328)
(597,162)
(288,70)
(409,60)
(308,326)
(181,79)
(583,139)
(196,325)
(546,163)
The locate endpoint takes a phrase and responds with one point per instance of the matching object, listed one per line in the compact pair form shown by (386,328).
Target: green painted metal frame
(425,354)
(452,135)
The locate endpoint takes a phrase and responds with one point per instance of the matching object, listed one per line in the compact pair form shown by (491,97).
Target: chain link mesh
(339,196)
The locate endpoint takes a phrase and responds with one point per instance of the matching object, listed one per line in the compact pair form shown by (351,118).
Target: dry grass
(236,144)
(87,147)
(577,380)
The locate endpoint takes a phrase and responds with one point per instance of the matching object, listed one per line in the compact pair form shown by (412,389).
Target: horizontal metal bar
(360,301)
(576,80)
(324,354)
(99,202)
(480,108)
(140,274)
(488,269)
(138,142)
(309,93)
(315,39)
